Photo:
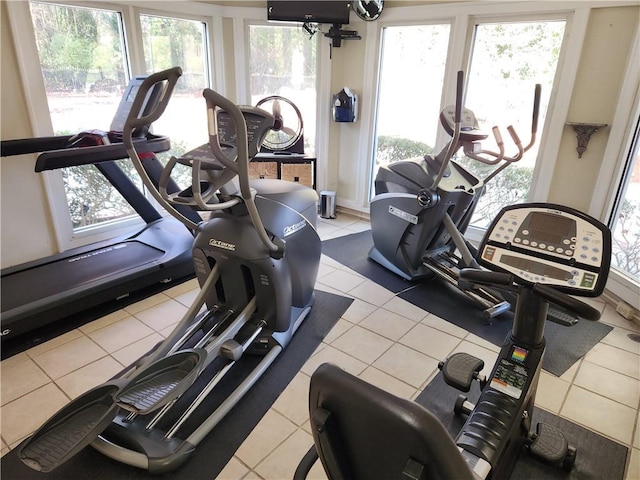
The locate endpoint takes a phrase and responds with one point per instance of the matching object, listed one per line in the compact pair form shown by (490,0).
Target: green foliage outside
(272,57)
(92,199)
(509,187)
(392,149)
(78,47)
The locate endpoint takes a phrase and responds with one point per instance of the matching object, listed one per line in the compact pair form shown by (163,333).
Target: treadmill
(37,293)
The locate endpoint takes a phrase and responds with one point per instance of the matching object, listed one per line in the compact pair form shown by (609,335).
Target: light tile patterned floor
(381,338)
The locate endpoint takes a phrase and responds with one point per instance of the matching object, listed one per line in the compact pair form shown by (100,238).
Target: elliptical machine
(252,300)
(544,253)
(423,206)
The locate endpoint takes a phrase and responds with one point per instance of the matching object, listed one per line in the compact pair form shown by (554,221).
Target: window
(282,61)
(84,65)
(170,42)
(508,59)
(409,96)
(625,220)
(82,57)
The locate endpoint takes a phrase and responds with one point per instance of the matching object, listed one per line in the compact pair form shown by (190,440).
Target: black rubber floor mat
(597,456)
(565,345)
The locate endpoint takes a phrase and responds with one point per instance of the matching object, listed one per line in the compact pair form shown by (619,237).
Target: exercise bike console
(540,243)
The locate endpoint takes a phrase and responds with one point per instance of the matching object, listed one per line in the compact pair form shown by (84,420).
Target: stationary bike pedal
(551,446)
(562,318)
(460,369)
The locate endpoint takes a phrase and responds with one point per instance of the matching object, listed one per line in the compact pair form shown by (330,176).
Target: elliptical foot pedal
(551,446)
(460,369)
(162,381)
(71,429)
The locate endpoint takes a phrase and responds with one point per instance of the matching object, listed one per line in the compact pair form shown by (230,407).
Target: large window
(84,64)
(82,57)
(282,61)
(410,92)
(170,42)
(508,59)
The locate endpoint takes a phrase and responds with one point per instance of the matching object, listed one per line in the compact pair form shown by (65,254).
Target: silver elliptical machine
(424,205)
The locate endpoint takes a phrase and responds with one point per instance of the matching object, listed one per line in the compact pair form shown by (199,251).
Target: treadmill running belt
(62,275)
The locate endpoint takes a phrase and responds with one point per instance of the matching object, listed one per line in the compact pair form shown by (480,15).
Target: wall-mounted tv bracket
(336,34)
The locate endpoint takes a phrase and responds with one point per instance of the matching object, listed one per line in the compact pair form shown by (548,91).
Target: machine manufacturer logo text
(294,228)
(224,245)
(407,217)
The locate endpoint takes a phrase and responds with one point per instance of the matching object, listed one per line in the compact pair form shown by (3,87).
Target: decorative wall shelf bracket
(584,132)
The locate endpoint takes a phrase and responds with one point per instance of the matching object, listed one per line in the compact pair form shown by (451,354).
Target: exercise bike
(256,259)
(543,252)
(423,206)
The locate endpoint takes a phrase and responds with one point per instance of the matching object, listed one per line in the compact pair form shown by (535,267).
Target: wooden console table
(291,167)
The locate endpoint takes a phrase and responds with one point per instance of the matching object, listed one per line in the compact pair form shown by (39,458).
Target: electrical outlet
(626,310)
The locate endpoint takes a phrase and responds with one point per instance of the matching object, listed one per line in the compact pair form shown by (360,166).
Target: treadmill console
(549,244)
(126,102)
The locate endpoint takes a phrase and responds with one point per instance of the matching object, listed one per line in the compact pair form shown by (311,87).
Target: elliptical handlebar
(498,157)
(453,144)
(239,165)
(167,79)
(170,76)
(470,144)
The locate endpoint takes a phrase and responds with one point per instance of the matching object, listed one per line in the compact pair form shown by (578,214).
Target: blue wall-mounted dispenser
(345,106)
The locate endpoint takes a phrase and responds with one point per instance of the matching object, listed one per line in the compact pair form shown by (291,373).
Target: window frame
(323,82)
(463,21)
(38,112)
(612,170)
(464,18)
(244,81)
(441,137)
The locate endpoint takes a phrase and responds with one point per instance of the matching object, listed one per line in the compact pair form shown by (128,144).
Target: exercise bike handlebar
(490,278)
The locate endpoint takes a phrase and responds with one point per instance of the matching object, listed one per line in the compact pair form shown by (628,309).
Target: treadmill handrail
(72,157)
(24,146)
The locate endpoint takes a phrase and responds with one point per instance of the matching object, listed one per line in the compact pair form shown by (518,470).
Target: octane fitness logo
(224,245)
(294,228)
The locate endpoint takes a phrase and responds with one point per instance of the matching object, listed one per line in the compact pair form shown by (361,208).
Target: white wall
(25,222)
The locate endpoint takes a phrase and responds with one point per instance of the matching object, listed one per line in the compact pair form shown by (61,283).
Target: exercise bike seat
(363,432)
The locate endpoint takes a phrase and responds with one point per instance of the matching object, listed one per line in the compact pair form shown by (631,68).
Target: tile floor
(380,338)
